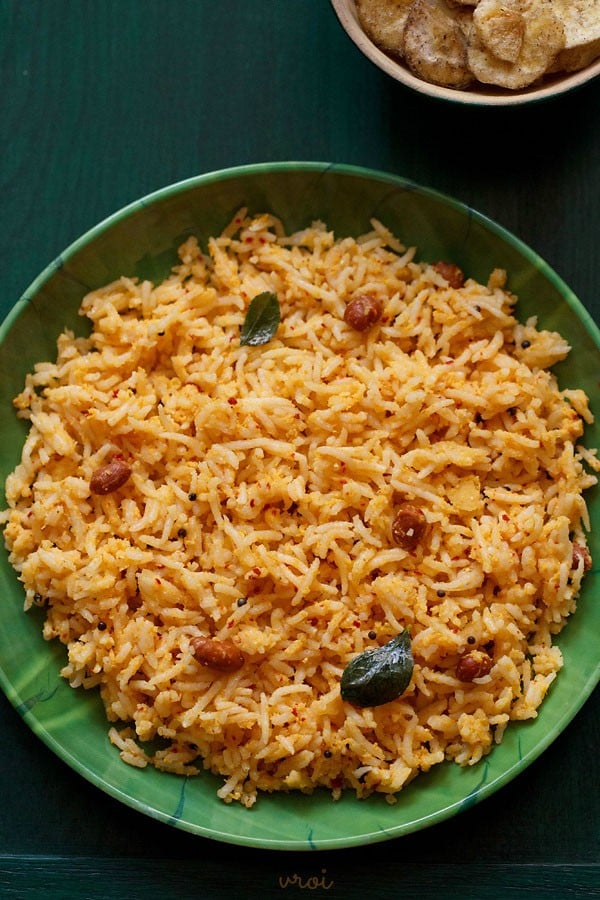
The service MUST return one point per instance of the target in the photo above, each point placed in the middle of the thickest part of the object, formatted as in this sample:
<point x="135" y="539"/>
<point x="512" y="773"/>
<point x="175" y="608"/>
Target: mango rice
<point x="240" y="544"/>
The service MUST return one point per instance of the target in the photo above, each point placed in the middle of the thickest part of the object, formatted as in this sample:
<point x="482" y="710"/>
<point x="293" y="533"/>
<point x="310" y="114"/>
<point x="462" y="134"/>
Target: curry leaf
<point x="380" y="675"/>
<point x="262" y="319"/>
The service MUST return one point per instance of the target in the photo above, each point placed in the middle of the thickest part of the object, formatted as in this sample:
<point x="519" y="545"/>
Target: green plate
<point x="141" y="240"/>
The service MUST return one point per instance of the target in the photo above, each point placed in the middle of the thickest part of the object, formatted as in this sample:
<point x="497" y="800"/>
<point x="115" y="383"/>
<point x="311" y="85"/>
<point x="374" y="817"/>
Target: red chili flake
<point x="294" y="711"/>
<point x="232" y="401"/>
<point x="505" y="517"/>
<point x="248" y="240"/>
<point x="337" y="782"/>
<point x="263" y="240"/>
<point x="252" y="502"/>
<point x="230" y="623"/>
<point x="256" y="570"/>
<point x="356" y="623"/>
<point x="158" y="581"/>
<point x="115" y="393"/>
<point x="314" y="621"/>
<point x="238" y="221"/>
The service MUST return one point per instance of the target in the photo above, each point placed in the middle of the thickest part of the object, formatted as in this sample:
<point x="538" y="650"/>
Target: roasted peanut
<point x="581" y="553"/>
<point x="408" y="526"/>
<point x="135" y="602"/>
<point x="474" y="664"/>
<point x="108" y="478"/>
<point x="221" y="655"/>
<point x="363" y="311"/>
<point x="453" y="275"/>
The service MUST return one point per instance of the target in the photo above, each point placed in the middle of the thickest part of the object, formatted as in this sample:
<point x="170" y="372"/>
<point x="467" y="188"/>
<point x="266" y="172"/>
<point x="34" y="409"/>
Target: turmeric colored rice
<point x="261" y="485"/>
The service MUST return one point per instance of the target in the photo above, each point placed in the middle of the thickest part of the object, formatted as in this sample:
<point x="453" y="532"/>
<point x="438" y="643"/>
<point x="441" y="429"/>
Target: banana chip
<point x="434" y="44"/>
<point x="500" y="29"/>
<point x="581" y="19"/>
<point x="525" y="31"/>
<point x="383" y="21"/>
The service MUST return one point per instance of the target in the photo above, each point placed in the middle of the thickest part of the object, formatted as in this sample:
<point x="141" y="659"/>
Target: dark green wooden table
<point x="102" y="101"/>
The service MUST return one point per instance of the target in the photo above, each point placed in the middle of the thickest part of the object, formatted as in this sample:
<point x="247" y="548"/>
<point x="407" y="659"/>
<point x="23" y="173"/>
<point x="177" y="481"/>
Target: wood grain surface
<point x="102" y="102"/>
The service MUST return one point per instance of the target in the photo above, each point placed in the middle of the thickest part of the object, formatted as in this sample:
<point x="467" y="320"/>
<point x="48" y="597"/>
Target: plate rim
<point x="287" y="844"/>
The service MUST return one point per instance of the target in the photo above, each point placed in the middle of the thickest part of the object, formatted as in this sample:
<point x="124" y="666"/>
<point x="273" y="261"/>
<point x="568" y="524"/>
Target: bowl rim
<point x="402" y="74"/>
